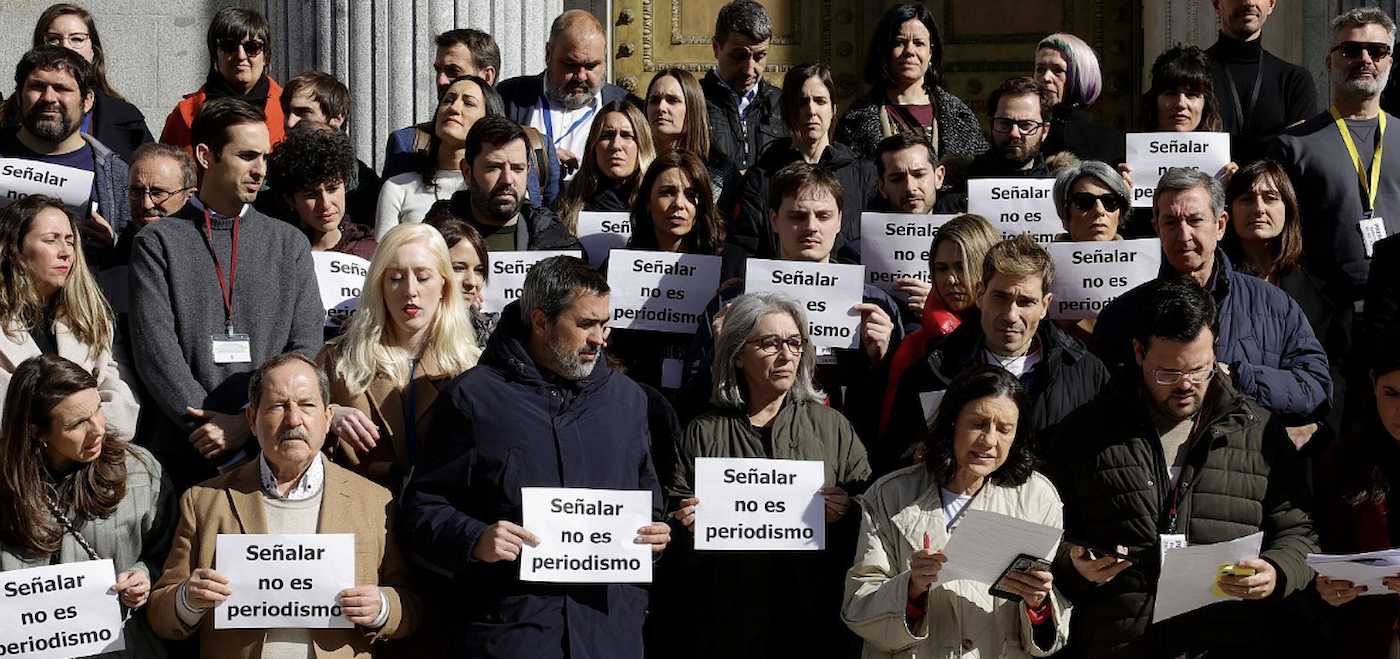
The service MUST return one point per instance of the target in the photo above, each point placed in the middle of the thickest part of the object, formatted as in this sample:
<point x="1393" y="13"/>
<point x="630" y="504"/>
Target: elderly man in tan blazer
<point x="290" y="488"/>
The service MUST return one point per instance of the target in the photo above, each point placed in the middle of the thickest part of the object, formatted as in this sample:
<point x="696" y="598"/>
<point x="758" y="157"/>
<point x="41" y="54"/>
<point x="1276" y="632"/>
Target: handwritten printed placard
<point x="60" y="611"/>
<point x="340" y="278"/>
<point x="586" y="535"/>
<point x="601" y="233"/>
<point x="1152" y="154"/>
<point x="1017" y="205"/>
<point x="754" y="504"/>
<point x="284" y="581"/>
<point x="1089" y="275"/>
<point x="895" y="246"/>
<point x="20" y="178"/>
<point x="826" y="291"/>
<point x="508" y="270"/>
<point x="661" y="291"/>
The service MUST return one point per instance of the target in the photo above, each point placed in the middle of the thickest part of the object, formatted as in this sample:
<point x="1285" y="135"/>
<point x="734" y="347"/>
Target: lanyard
<point x="1178" y="493"/>
<point x="1253" y="94"/>
<point x="1368" y="188"/>
<point x="549" y="122"/>
<point x="219" y="268"/>
<point x="953" y="521"/>
<point x="410" y="424"/>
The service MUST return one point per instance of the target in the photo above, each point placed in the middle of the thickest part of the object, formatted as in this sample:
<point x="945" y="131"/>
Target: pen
<point x="926" y="543"/>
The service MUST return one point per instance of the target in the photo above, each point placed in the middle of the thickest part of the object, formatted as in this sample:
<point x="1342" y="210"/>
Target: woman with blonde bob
<point x="51" y="304"/>
<point x="621" y="148"/>
<point x="410" y="336"/>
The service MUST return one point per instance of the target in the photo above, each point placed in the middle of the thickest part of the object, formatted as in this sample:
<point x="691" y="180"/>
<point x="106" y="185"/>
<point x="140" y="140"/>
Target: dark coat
<point x="1241" y="475"/>
<point x="521" y="96"/>
<point x="1067" y="376"/>
<point x="1380" y="324"/>
<point x="405" y="147"/>
<point x="1263" y="336"/>
<point x="742" y="139"/>
<point x="119" y="125"/>
<point x="538" y="228"/>
<point x="750" y="228"/>
<point x="1074" y="130"/>
<point x="959" y="133"/>
<point x="504" y="425"/>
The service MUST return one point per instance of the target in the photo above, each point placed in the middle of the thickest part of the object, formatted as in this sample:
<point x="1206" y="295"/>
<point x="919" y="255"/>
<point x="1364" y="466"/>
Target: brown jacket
<point x="232" y="503"/>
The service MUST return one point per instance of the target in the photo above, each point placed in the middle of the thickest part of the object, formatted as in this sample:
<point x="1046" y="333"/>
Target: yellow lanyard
<point x="1368" y="187"/>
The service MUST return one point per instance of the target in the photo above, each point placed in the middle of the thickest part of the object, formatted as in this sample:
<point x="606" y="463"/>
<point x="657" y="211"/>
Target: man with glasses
<point x="1018" y="112"/>
<point x="1264" y="342"/>
<point x="1171" y="453"/>
<point x="238" y="42"/>
<point x="162" y="179"/>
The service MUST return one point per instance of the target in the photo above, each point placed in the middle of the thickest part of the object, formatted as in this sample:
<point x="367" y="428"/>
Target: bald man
<point x="561" y="101"/>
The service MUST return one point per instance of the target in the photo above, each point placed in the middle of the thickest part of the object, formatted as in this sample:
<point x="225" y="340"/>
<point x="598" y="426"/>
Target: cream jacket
<point x="119" y="405"/>
<point x="963" y="620"/>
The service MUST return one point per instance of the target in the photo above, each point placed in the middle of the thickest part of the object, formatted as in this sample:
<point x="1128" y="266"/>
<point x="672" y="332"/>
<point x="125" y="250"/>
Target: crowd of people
<point x="171" y="374"/>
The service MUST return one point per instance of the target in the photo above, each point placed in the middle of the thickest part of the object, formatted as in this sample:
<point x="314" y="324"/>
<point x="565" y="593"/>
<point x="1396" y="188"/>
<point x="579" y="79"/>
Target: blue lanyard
<point x="549" y="122"/>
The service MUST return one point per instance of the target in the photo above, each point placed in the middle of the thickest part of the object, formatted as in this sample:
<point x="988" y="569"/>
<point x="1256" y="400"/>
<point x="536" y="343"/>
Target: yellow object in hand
<point x="1231" y="570"/>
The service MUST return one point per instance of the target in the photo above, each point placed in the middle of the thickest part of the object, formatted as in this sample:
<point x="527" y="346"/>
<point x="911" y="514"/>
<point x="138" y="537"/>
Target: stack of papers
<point x="1189" y="574"/>
<point x="1365" y="569"/>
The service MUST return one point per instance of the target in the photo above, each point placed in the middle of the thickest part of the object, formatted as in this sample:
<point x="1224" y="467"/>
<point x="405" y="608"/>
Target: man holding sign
<point x="291" y="489"/>
<point x="542" y="409"/>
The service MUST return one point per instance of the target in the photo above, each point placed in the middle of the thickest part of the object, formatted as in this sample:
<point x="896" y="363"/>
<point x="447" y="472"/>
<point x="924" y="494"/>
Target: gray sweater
<point x="177" y="306"/>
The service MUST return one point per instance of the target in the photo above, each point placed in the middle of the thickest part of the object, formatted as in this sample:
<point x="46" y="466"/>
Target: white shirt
<point x="1017" y="366"/>
<point x="404" y="198"/>
<point x="567" y="128"/>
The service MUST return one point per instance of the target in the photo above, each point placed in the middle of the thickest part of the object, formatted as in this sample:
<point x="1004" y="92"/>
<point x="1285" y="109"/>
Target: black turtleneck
<point x="1286" y="95"/>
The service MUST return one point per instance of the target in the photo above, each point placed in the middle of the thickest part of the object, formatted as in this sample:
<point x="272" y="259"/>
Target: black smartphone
<point x="1096" y="553"/>
<point x="1022" y="563"/>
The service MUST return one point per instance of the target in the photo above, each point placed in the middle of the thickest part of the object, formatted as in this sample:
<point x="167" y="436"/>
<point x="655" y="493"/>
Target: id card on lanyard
<point x="229" y="347"/>
<point x="1372" y="228"/>
<point x="548" y="120"/>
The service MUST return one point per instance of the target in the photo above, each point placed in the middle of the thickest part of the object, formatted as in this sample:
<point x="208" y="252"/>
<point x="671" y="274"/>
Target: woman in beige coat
<point x="978" y="458"/>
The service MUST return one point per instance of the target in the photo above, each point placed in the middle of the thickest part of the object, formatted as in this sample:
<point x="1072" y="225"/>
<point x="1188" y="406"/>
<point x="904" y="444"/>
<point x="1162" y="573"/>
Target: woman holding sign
<point x="73" y="491"/>
<point x="679" y="122"/>
<point x="1091" y="199"/>
<point x="764" y="405"/>
<point x="977" y="459"/>
<point x="620" y="141"/>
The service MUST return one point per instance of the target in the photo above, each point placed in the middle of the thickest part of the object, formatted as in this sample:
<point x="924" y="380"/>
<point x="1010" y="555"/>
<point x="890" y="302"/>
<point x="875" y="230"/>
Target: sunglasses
<point x="1084" y="201"/>
<point x="252" y="46"/>
<point x="1352" y="49"/>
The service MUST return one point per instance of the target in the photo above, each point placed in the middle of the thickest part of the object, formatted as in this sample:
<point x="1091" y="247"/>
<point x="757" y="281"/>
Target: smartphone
<point x="1096" y="553"/>
<point x="1022" y="563"/>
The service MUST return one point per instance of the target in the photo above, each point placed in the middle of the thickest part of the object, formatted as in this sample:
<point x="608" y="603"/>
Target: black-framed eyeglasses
<point x="1352" y="49"/>
<point x="769" y="344"/>
<point x="1004" y="124"/>
<point x="252" y="46"/>
<point x="158" y="195"/>
<point x="1167" y="376"/>
<point x="1084" y="201"/>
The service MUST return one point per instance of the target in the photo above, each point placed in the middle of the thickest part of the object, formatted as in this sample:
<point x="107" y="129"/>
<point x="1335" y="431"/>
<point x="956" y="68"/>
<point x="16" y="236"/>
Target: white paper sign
<point x="340" y="278"/>
<point x="601" y="233"/>
<point x="60" y="611"/>
<point x="586" y="535"/>
<point x="1189" y="574"/>
<point x="1017" y="205"/>
<point x="826" y="291"/>
<point x="1089" y="275"/>
<point x="756" y="504"/>
<point x="284" y="581"/>
<point x="508" y="270"/>
<point x="984" y="544"/>
<point x="896" y="245"/>
<point x="1152" y="154"/>
<point x="661" y="291"/>
<point x="20" y="178"/>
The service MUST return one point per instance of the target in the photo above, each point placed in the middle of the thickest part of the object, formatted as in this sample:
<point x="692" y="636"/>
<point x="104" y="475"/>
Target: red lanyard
<point x="219" y="268"/>
<point x="1178" y="493"/>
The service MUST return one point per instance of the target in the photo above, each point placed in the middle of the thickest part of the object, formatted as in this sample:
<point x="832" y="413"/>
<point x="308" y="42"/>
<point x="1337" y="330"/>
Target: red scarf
<point x="938" y="322"/>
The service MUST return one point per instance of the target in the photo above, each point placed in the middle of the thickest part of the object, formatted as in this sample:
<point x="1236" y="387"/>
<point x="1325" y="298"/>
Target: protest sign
<point x="340" y="278"/>
<point x="1089" y="275"/>
<point x="827" y="291"/>
<point x="661" y="291"/>
<point x="601" y="233"/>
<point x="20" y="178"/>
<point x="586" y="535"/>
<point x="1152" y="154"/>
<point x="896" y="245"/>
<point x="1017" y="205"/>
<point x="284" y="581"/>
<point x="508" y="270"/>
<point x="754" y="504"/>
<point x="60" y="611"/>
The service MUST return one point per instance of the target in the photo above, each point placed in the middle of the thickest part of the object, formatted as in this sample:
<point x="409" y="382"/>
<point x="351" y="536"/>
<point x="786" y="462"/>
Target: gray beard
<point x="569" y="101"/>
<point x="567" y="364"/>
<point x="1358" y="89"/>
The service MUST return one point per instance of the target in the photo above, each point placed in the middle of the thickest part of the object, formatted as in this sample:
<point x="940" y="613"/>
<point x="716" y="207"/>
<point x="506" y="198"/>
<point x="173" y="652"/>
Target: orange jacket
<point x="177" y="124"/>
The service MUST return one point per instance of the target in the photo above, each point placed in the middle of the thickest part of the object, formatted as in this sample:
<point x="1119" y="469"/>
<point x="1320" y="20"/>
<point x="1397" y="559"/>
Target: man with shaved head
<point x="561" y="101"/>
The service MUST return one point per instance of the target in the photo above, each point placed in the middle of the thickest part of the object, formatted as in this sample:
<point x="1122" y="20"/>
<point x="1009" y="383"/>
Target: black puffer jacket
<point x="743" y="139"/>
<point x="1241" y="476"/>
<point x="751" y="228"/>
<point x="537" y="229"/>
<point x="1067" y="376"/>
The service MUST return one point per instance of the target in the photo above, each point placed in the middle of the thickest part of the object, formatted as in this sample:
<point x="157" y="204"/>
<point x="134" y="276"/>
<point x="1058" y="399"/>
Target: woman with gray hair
<point x="1090" y="197"/>
<point x="764" y="405"/>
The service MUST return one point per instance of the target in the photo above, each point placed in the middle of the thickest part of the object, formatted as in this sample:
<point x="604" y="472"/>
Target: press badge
<point x="231" y="348"/>
<point x="1372" y="232"/>
<point x="1172" y="541"/>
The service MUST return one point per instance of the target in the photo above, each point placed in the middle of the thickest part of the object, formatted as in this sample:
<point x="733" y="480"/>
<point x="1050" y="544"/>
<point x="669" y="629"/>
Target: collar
<point x="219" y="219"/>
<point x="309" y="485"/>
<point x="1230" y="48"/>
<point x="744" y="100"/>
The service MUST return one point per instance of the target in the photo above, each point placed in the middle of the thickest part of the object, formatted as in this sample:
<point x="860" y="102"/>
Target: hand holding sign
<point x="837" y="503"/>
<point x="502" y="541"/>
<point x="686" y="514"/>
<point x="361" y="604"/>
<point x="656" y="534"/>
<point x="134" y="587"/>
<point x="206" y="588"/>
<point x="875" y="330"/>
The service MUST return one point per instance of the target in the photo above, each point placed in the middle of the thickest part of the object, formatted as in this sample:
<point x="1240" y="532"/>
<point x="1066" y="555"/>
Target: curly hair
<point x="310" y="156"/>
<point x="977" y="382"/>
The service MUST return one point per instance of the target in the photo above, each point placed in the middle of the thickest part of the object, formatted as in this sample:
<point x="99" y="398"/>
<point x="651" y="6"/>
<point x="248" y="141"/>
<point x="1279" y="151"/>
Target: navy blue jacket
<point x="1264" y="338"/>
<point x="504" y="425"/>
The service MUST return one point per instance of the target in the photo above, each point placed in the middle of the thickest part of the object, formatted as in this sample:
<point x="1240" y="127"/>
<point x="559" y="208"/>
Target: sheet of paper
<point x="288" y="581"/>
<point x="586" y="535"/>
<point x="508" y="271"/>
<point x="661" y="291"/>
<point x="601" y="233"/>
<point x="1189" y="573"/>
<point x="1089" y="275"/>
<point x="1152" y="154"/>
<point x="755" y="504"/>
<point x="895" y="246"/>
<point x="1017" y="205"/>
<point x="60" y="611"/>
<point x="1366" y="569"/>
<point x="984" y="543"/>
<point x="827" y="291"/>
<point x="341" y="278"/>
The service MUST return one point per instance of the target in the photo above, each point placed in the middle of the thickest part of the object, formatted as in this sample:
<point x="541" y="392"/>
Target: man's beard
<point x="50" y="130"/>
<point x="571" y="97"/>
<point x="1365" y="89"/>
<point x="1018" y="154"/>
<point x="569" y="364"/>
<point x="484" y="202"/>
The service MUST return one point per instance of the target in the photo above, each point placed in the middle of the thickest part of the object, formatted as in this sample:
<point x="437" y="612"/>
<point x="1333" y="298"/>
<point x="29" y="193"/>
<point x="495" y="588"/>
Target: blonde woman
<point x="50" y="304"/>
<point x="410" y="336"/>
<point x="621" y="146"/>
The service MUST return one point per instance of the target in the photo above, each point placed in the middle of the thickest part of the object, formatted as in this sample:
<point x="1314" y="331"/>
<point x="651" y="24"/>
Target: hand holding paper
<point x="1252" y="579"/>
<point x="501" y="542"/>
<point x="361" y="604"/>
<point x="206" y="589"/>
<point x="1338" y="591"/>
<point x="924" y="567"/>
<point x="656" y="534"/>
